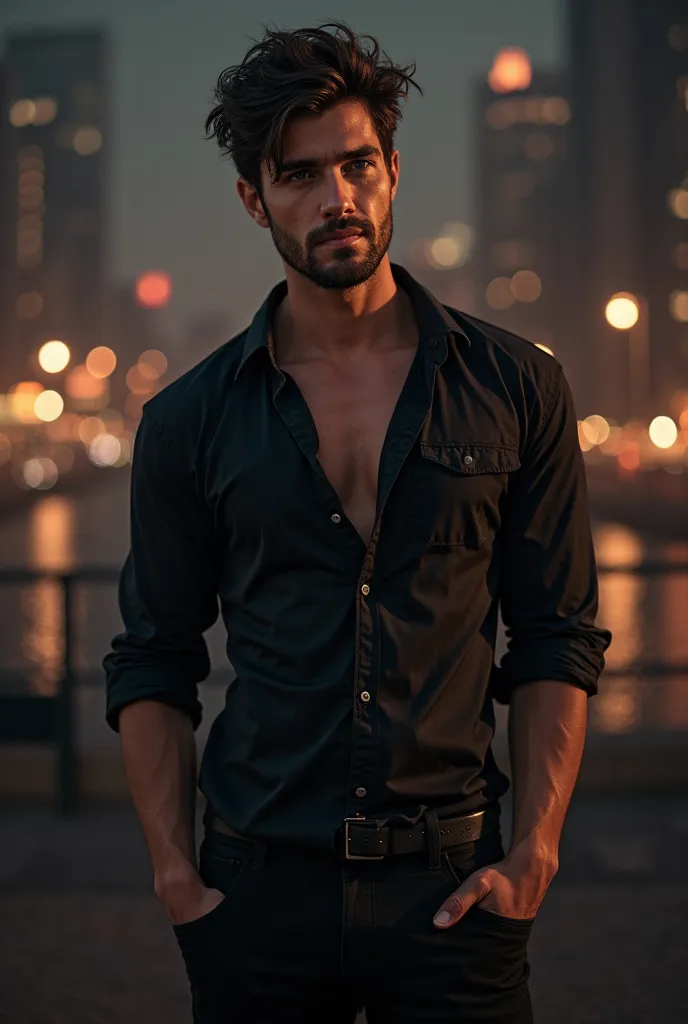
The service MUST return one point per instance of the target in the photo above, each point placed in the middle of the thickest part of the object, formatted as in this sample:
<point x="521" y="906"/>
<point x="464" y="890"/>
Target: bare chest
<point x="352" y="410"/>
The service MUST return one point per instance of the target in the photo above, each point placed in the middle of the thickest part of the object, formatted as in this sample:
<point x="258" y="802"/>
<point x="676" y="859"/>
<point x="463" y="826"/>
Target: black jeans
<point x="309" y="937"/>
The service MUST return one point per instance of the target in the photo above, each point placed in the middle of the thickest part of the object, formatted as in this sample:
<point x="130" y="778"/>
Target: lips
<point x="340" y="236"/>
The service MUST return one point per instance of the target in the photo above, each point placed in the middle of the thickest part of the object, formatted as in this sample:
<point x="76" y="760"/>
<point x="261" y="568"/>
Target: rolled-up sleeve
<point x="548" y="578"/>
<point x="167" y="589"/>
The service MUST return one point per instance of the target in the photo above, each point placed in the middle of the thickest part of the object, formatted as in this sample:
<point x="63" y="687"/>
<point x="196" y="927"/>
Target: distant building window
<point x="542" y="110"/>
<point x="39" y="111"/>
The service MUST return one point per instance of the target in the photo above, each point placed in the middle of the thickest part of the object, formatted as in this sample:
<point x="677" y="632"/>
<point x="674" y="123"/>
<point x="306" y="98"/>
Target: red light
<point x="153" y="289"/>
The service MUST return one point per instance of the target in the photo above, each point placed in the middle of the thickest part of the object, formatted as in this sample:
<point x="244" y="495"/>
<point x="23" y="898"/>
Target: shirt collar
<point x="434" y="321"/>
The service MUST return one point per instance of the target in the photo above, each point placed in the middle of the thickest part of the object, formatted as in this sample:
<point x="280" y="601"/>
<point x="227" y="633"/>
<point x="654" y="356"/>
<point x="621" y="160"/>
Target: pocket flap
<point x="472" y="458"/>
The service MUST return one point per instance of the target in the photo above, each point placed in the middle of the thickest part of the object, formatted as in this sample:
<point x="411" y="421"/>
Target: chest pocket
<point x="457" y="492"/>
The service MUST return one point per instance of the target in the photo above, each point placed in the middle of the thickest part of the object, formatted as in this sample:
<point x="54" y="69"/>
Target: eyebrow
<point x="340" y="158"/>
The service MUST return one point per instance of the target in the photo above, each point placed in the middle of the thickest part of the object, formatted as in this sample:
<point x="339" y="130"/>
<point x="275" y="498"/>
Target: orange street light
<point x="628" y="312"/>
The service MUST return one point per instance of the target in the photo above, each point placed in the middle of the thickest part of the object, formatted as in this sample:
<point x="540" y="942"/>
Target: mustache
<point x="346" y="224"/>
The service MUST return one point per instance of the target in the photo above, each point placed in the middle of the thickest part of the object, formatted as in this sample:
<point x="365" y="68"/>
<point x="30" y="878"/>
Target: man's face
<point x="333" y="179"/>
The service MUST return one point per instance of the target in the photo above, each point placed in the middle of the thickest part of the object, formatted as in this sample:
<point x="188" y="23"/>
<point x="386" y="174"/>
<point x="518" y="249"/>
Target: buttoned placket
<point x="407" y="420"/>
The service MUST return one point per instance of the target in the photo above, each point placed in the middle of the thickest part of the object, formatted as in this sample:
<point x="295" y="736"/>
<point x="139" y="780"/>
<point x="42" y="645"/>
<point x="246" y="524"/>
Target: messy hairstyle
<point x="305" y="71"/>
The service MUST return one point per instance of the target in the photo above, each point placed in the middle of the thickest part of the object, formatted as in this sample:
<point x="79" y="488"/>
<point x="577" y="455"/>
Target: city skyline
<point x="161" y="162"/>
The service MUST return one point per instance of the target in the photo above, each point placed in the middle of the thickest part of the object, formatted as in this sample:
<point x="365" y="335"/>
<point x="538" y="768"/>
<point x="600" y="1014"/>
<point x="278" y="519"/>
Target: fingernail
<point x="442" y="918"/>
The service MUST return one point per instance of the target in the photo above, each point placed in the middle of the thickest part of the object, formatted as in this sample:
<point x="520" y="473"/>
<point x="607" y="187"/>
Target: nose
<point x="338" y="196"/>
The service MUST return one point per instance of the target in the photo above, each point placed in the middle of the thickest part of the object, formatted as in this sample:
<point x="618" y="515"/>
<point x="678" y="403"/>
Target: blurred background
<point x="544" y="188"/>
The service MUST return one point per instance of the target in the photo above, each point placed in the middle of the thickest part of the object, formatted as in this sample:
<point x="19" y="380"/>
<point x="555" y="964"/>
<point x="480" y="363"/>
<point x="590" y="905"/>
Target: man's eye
<point x="294" y="176"/>
<point x="364" y="163"/>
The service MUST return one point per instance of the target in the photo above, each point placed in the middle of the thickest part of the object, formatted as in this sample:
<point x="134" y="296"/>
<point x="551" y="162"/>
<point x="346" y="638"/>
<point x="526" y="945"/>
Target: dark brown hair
<point x="302" y="72"/>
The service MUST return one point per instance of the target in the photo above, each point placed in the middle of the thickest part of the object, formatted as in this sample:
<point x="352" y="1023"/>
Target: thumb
<point x="462" y="899"/>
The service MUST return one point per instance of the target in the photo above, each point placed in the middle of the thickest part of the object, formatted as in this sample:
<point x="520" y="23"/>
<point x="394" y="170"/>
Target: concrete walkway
<point x="83" y="940"/>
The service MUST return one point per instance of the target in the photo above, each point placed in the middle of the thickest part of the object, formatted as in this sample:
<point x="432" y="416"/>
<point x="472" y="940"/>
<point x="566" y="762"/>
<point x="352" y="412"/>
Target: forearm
<point x="547" y="725"/>
<point x="159" y="753"/>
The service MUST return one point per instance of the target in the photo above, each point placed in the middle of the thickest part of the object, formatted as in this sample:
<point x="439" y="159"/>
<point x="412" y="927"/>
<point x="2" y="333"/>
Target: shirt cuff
<point x="580" y="664"/>
<point x="151" y="683"/>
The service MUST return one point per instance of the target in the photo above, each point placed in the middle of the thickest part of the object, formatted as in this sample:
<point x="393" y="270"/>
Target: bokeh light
<point x="22" y="113"/>
<point x="137" y="383"/>
<point x="40" y="474"/>
<point x="152" y="364"/>
<point x="48" y="406"/>
<point x="87" y="141"/>
<point x="101" y="362"/>
<point x="445" y="252"/>
<point x="511" y="70"/>
<point x="89" y="428"/>
<point x="526" y="286"/>
<point x="622" y="311"/>
<point x="596" y="429"/>
<point x="499" y="294"/>
<point x="678" y="304"/>
<point x="153" y="289"/>
<point x="104" y="450"/>
<point x="81" y="385"/>
<point x="678" y="203"/>
<point x="663" y="432"/>
<point x="54" y="356"/>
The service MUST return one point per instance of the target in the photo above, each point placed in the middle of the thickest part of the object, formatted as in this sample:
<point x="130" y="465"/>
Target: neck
<point x="321" y="323"/>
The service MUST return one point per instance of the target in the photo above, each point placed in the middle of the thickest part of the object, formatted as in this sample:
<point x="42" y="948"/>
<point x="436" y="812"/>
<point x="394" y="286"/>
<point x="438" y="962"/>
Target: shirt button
<point x="365" y="589"/>
<point x="335" y="517"/>
<point x="468" y="460"/>
<point x="361" y="791"/>
<point x="365" y="696"/>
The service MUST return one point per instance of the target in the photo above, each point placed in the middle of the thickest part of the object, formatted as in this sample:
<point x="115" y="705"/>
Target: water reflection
<point x="616" y="707"/>
<point x="646" y="615"/>
<point x="50" y="548"/>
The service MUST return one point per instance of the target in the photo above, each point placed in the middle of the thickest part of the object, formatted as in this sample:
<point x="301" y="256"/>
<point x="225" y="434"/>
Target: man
<point x="363" y="477"/>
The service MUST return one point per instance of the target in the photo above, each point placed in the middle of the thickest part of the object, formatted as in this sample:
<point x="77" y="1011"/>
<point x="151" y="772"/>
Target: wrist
<point x="535" y="851"/>
<point x="177" y="883"/>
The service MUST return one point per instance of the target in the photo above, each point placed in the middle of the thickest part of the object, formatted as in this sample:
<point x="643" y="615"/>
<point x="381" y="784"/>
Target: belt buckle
<point x="356" y="856"/>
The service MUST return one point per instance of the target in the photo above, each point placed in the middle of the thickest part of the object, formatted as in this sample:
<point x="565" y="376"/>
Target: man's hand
<point x="514" y="887"/>
<point x="186" y="898"/>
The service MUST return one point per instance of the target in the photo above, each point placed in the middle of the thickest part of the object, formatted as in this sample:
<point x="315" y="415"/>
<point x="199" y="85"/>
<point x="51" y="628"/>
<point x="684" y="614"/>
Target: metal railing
<point x="36" y="718"/>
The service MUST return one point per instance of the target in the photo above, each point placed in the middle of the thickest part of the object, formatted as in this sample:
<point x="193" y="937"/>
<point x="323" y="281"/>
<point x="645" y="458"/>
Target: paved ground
<point x="83" y="941"/>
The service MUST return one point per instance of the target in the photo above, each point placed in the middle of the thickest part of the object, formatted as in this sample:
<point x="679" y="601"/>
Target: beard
<point x="345" y="268"/>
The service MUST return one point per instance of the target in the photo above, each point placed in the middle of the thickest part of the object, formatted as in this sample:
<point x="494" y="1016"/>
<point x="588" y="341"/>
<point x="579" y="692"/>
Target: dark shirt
<point x="365" y="676"/>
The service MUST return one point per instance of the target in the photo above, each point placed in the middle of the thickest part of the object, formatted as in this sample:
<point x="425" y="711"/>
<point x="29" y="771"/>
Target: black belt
<point x="364" y="839"/>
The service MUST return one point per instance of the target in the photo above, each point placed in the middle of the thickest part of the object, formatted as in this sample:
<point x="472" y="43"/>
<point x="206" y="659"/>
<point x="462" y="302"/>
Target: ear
<point x="251" y="200"/>
<point x="394" y="172"/>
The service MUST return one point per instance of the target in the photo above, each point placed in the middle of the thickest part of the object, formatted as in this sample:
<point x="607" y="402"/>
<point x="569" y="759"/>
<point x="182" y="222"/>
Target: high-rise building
<point x="52" y="171"/>
<point x="522" y="118"/>
<point x="628" y="189"/>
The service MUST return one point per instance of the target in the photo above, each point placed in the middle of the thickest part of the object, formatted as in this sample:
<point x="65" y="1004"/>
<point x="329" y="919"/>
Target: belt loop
<point x="260" y="849"/>
<point x="432" y="829"/>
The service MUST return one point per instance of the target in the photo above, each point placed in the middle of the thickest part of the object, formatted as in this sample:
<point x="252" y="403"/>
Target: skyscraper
<point x="53" y="168"/>
<point x="522" y="116"/>
<point x="628" y="189"/>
